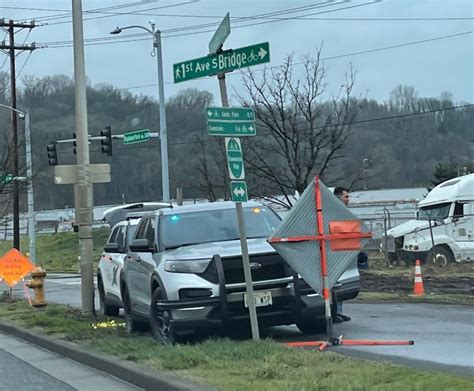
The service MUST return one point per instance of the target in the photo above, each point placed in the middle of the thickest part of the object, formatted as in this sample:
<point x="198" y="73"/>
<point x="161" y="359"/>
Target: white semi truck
<point x="444" y="229"/>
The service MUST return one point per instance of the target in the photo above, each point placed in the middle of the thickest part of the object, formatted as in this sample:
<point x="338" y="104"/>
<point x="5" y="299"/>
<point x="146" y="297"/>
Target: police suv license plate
<point x="262" y="299"/>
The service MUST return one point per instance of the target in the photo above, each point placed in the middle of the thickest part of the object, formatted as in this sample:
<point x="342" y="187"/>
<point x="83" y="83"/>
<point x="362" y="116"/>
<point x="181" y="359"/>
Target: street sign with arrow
<point x="230" y="121"/>
<point x="238" y="191"/>
<point x="6" y="179"/>
<point x="222" y="62"/>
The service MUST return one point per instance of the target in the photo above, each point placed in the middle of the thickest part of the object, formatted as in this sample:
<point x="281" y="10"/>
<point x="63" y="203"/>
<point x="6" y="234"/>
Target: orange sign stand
<point x="343" y="236"/>
<point x="14" y="266"/>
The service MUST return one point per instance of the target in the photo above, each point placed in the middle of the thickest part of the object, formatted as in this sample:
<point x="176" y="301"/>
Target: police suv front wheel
<point x="160" y="320"/>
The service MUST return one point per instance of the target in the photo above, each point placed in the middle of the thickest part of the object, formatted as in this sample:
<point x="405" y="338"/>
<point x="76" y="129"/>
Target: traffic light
<point x="74" y="144"/>
<point x="52" y="154"/>
<point x="107" y="142"/>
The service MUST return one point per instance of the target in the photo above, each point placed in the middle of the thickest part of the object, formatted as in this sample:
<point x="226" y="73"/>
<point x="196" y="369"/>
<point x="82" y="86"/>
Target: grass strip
<point x="433" y="298"/>
<point x="228" y="364"/>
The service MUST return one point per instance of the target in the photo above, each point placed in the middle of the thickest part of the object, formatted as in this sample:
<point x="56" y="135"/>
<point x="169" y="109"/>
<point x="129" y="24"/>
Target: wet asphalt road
<point x="443" y="334"/>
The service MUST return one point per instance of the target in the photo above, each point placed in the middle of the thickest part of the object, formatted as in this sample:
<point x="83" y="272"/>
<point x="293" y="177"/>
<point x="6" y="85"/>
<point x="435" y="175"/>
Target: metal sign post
<point x="243" y="236"/>
<point x="231" y="123"/>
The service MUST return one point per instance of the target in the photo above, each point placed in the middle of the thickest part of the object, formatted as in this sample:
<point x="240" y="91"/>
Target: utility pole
<point x="163" y="132"/>
<point x="12" y="48"/>
<point x="83" y="188"/>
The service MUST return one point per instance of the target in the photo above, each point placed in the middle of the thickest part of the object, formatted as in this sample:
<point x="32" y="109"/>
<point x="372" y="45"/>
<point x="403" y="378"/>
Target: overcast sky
<point x="345" y="27"/>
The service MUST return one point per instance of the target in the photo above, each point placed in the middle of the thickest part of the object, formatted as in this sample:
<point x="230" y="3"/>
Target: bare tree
<point x="213" y="176"/>
<point x="300" y="133"/>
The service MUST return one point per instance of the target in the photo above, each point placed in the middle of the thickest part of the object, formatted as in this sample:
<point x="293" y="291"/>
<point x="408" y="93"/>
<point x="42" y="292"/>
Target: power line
<point x="4" y="52"/>
<point x="4" y="61"/>
<point x="141" y="12"/>
<point x="200" y="26"/>
<point x="327" y="58"/>
<point x="21" y="69"/>
<point x="118" y="14"/>
<point x="338" y="56"/>
<point x="118" y="39"/>
<point x="399" y="45"/>
<point x="258" y="16"/>
<point x="403" y="115"/>
<point x="67" y="13"/>
<point x="371" y="120"/>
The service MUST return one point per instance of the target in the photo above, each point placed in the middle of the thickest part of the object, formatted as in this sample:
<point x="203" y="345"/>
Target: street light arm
<point x="12" y="109"/>
<point x="118" y="30"/>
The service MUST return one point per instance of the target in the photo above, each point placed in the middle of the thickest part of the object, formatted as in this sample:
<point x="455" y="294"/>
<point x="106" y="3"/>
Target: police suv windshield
<point x="182" y="229"/>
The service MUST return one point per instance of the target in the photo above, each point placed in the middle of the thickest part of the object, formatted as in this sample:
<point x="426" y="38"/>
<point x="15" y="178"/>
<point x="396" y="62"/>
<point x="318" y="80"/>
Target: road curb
<point x="125" y="370"/>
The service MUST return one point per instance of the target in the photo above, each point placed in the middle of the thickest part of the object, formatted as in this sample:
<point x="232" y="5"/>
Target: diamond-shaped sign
<point x="297" y="238"/>
<point x="14" y="266"/>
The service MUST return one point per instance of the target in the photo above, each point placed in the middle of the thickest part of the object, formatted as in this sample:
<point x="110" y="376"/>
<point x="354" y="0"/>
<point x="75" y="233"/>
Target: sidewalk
<point x="96" y="362"/>
<point x="39" y="366"/>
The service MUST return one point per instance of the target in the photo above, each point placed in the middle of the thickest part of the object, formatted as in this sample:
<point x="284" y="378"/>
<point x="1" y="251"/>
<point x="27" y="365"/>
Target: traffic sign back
<point x="14" y="266"/>
<point x="220" y="35"/>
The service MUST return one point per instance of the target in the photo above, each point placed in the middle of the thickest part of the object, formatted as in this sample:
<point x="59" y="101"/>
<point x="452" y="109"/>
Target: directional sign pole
<point x="243" y="236"/>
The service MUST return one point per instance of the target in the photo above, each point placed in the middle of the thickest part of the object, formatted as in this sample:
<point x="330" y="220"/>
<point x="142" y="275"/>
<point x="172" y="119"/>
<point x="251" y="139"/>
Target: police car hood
<point x="230" y="248"/>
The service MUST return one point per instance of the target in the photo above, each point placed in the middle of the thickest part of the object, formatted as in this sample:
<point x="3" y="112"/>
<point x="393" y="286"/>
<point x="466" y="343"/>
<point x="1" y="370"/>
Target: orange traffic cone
<point x="418" y="289"/>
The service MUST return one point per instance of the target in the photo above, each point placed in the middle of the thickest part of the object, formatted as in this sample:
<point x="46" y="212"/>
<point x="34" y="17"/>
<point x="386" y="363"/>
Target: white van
<point x="444" y="229"/>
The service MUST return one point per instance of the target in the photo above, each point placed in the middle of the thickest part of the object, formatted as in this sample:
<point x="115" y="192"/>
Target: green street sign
<point x="137" y="136"/>
<point x="223" y="62"/>
<point x="6" y="179"/>
<point x="220" y="35"/>
<point x="219" y="128"/>
<point x="235" y="159"/>
<point x="230" y="114"/>
<point x="238" y="191"/>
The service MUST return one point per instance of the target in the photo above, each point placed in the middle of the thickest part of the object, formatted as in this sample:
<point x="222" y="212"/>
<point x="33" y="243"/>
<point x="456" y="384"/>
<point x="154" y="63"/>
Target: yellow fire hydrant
<point x="37" y="284"/>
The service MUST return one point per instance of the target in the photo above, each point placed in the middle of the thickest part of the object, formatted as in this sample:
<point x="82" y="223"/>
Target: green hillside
<point x="60" y="251"/>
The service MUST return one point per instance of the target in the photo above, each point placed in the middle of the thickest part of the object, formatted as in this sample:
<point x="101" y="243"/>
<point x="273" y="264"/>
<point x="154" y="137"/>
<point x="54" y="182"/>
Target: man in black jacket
<point x="343" y="194"/>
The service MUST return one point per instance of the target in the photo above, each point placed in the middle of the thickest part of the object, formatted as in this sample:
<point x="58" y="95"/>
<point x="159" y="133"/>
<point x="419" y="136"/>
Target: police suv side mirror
<point x="112" y="248"/>
<point x="141" y="245"/>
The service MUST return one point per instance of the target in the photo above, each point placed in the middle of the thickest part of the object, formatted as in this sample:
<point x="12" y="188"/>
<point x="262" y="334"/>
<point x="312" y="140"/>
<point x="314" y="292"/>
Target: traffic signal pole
<point x="30" y="197"/>
<point x="83" y="188"/>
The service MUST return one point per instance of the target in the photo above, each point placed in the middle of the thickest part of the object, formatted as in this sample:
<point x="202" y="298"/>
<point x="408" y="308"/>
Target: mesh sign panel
<point x="301" y="222"/>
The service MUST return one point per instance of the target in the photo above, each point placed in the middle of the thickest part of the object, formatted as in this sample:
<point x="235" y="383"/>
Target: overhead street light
<point x="29" y="174"/>
<point x="156" y="35"/>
